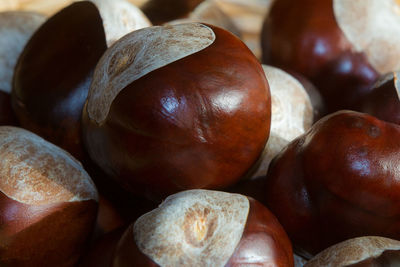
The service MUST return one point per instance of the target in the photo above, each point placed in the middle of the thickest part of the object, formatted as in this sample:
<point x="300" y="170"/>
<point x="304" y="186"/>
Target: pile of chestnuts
<point x="200" y="133"/>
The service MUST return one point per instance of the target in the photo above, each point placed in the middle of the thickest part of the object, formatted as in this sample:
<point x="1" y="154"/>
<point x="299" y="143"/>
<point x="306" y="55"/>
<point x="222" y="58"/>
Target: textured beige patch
<point x="120" y="18"/>
<point x="209" y="12"/>
<point x="373" y="27"/>
<point x="193" y="228"/>
<point x="291" y="114"/>
<point x="352" y="251"/>
<point x="139" y="53"/>
<point x="248" y="17"/>
<point x="15" y="30"/>
<point x="34" y="171"/>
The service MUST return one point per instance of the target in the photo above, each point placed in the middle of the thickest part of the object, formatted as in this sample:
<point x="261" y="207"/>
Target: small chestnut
<point x="367" y="251"/>
<point x="48" y="202"/>
<point x="337" y="181"/>
<point x="341" y="46"/>
<point x="177" y="107"/>
<point x="54" y="71"/>
<point x="205" y="228"/>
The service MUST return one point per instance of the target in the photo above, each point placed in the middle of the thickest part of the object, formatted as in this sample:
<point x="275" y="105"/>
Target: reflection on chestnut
<point x="383" y="100"/>
<point x="54" y="71"/>
<point x="341" y="46"/>
<point x="48" y="202"/>
<point x="205" y="228"/>
<point x="177" y="107"/>
<point x="368" y="251"/>
<point x="339" y="180"/>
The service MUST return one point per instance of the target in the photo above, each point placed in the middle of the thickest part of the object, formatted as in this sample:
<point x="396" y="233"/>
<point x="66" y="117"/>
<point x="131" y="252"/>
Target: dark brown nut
<point x="177" y="107"/>
<point x="338" y="181"/>
<point x="162" y="11"/>
<point x="53" y="74"/>
<point x="368" y="251"/>
<point x="205" y="228"/>
<point x="341" y="46"/>
<point x="383" y="100"/>
<point x="48" y="202"/>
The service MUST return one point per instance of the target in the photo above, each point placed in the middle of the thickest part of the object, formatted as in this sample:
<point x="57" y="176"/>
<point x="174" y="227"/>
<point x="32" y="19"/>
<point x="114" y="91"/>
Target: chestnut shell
<point x="199" y="122"/>
<point x="311" y="43"/>
<point x="53" y="74"/>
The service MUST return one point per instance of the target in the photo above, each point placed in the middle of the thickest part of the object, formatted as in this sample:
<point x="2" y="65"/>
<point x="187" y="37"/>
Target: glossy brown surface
<point x="340" y="180"/>
<point x="128" y="254"/>
<point x="264" y="242"/>
<point x="161" y="11"/>
<point x="7" y="116"/>
<point x="53" y="75"/>
<point x="44" y="235"/>
<point x="383" y="102"/>
<point x="311" y="43"/>
<point x="199" y="122"/>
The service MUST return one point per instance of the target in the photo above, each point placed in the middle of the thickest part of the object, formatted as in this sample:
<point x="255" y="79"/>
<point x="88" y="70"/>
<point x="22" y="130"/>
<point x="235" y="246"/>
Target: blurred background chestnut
<point x="341" y="46"/>
<point x="177" y="107"/>
<point x="16" y="28"/>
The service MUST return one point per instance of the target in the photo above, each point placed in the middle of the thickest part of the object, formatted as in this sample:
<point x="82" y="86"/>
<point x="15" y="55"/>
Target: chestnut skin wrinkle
<point x="338" y="181"/>
<point x="199" y="122"/>
<point x="262" y="230"/>
<point x="311" y="43"/>
<point x="53" y="75"/>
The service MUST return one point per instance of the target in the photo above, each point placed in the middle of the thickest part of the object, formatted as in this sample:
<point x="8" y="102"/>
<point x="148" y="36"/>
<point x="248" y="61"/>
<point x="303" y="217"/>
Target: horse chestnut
<point x="338" y="181"/>
<point x="341" y="46"/>
<point x="205" y="228"/>
<point x="177" y="107"/>
<point x="48" y="202"/>
<point x="54" y="71"/>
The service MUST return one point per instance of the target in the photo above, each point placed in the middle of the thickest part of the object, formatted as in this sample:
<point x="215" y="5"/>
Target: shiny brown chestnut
<point x="48" y="202"/>
<point x="338" y="181"/>
<point x="177" y="107"/>
<point x="205" y="228"/>
<point x="368" y="251"/>
<point x="53" y="73"/>
<point x="341" y="46"/>
<point x="383" y="100"/>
